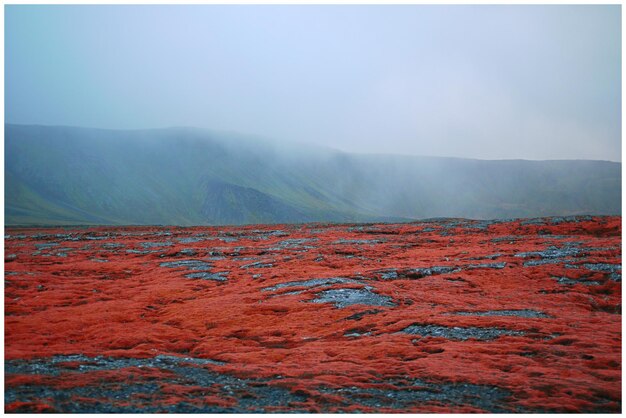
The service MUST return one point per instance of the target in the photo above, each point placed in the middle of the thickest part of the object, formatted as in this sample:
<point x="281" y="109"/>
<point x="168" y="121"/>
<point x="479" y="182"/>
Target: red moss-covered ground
<point x="435" y="316"/>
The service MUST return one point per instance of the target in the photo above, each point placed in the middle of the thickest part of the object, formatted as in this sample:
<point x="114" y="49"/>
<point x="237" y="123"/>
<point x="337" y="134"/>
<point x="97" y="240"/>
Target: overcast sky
<point x="492" y="82"/>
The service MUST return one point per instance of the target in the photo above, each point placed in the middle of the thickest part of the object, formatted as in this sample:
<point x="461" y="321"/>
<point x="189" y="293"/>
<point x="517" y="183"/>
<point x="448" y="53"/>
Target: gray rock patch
<point x="524" y="313"/>
<point x="205" y="275"/>
<point x="293" y="243"/>
<point x="614" y="270"/>
<point x="142" y="252"/>
<point x="487" y="266"/>
<point x="346" y="297"/>
<point x="155" y="244"/>
<point x="191" y="240"/>
<point x="311" y="283"/>
<point x="552" y="252"/>
<point x="570" y="282"/>
<point x="407" y="392"/>
<point x="257" y="265"/>
<point x="603" y="267"/>
<point x="389" y="275"/>
<point x="429" y="271"/>
<point x="188" y="264"/>
<point x="459" y="333"/>
<point x="46" y="245"/>
<point x="112" y="245"/>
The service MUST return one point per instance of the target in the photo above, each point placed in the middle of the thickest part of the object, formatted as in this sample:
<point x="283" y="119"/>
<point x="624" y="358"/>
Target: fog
<point x="183" y="176"/>
<point x="488" y="82"/>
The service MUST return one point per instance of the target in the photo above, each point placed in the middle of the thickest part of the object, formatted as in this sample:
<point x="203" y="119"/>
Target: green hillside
<point x="184" y="176"/>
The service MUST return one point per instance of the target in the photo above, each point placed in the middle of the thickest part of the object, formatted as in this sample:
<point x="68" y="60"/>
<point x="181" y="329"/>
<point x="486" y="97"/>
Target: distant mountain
<point x="184" y="176"/>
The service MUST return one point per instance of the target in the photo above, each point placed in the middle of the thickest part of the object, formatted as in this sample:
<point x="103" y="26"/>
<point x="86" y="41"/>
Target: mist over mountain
<point x="185" y="176"/>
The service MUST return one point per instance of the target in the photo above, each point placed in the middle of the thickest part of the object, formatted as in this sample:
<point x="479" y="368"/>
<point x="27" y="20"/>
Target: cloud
<point x="536" y="82"/>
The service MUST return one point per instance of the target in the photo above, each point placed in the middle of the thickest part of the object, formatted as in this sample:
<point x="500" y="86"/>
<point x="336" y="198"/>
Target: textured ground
<point x="437" y="316"/>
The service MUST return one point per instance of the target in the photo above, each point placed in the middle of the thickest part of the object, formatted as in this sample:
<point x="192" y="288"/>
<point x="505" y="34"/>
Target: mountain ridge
<point x="262" y="138"/>
<point x="71" y="175"/>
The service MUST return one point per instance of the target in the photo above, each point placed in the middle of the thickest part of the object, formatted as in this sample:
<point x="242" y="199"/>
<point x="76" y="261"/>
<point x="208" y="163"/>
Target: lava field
<point x="443" y="315"/>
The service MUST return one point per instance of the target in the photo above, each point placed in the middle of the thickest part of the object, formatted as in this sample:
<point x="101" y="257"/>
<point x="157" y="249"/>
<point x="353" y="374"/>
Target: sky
<point x="488" y="82"/>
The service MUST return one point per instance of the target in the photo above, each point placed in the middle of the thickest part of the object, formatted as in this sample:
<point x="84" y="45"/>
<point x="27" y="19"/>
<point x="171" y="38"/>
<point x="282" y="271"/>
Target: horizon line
<point x="295" y="142"/>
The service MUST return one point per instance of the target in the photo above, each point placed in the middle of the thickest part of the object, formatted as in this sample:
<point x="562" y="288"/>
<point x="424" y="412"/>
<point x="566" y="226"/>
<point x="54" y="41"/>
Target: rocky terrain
<point x="443" y="315"/>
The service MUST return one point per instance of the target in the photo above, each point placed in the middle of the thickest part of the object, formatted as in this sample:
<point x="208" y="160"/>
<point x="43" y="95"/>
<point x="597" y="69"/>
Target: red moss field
<point x="444" y="315"/>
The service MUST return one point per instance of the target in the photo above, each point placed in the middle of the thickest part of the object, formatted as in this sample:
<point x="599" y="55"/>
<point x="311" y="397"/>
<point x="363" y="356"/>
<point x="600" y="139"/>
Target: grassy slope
<point x="145" y="177"/>
<point x="59" y="175"/>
